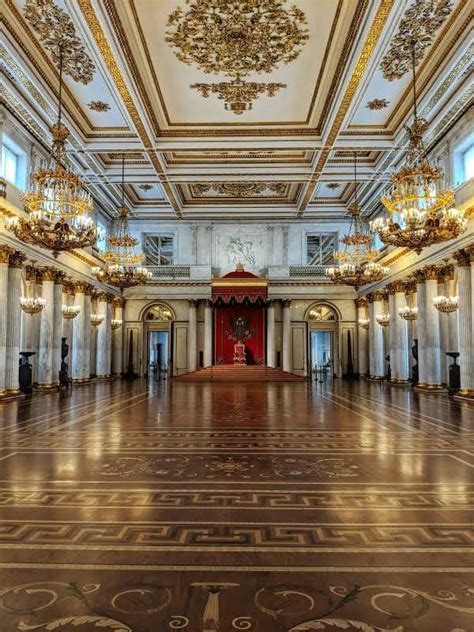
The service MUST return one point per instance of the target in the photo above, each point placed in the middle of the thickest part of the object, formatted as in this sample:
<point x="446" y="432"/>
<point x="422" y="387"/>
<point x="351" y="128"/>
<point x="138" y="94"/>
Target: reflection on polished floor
<point x="220" y="507"/>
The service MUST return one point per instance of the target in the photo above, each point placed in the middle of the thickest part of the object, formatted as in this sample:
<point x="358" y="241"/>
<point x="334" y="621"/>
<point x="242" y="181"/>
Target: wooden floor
<point x="215" y="507"/>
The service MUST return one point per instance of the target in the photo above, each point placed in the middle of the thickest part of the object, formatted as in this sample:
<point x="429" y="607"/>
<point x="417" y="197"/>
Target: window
<point x="159" y="250"/>
<point x="320" y="248"/>
<point x="13" y="163"/>
<point x="101" y="242"/>
<point x="468" y="163"/>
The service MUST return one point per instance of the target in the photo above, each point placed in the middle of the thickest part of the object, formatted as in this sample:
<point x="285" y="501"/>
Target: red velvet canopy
<point x="239" y="286"/>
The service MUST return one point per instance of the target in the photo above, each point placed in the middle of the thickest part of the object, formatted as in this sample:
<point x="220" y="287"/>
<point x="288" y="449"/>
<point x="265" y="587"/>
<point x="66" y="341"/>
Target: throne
<point x="239" y="354"/>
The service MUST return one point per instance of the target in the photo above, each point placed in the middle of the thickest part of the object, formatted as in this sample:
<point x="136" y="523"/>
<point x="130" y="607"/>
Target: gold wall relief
<point x="236" y="40"/>
<point x="240" y="189"/>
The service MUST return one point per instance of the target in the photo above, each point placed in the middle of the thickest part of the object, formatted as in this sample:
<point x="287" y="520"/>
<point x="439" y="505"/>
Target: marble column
<point x="362" y="337"/>
<point x="466" y="344"/>
<point x="432" y="380"/>
<point x="376" y="337"/>
<point x="421" y="326"/>
<point x="31" y="323"/>
<point x="78" y="334"/>
<point x="87" y="368"/>
<point x="103" y="332"/>
<point x="57" y="324"/>
<point x="117" y="337"/>
<point x="5" y="253"/>
<point x="45" y="351"/>
<point x="453" y="339"/>
<point x="444" y="289"/>
<point x="192" y="335"/>
<point x="400" y="337"/>
<point x="391" y="332"/>
<point x="412" y="325"/>
<point x="271" y="354"/>
<point x="12" y="356"/>
<point x="68" y="299"/>
<point x="207" y="333"/>
<point x="286" y="335"/>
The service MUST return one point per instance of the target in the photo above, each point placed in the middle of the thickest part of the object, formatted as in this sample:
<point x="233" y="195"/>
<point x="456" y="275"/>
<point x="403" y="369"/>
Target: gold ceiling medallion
<point x="99" y="106"/>
<point x="333" y="186"/>
<point x="57" y="32"/>
<point x="238" y="95"/>
<point x="240" y="189"/>
<point x="377" y="104"/>
<point x="237" y="39"/>
<point x="419" y="23"/>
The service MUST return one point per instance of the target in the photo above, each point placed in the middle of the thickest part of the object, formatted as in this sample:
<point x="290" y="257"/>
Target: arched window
<point x="158" y="312"/>
<point x="322" y="313"/>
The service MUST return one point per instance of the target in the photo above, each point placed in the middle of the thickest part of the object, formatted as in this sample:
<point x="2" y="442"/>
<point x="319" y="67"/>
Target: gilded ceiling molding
<point x="236" y="40"/>
<point x="367" y="51"/>
<point x="57" y="33"/>
<point x="377" y="104"/>
<point x="98" y="106"/>
<point x="419" y="24"/>
<point x="103" y="45"/>
<point x="240" y="189"/>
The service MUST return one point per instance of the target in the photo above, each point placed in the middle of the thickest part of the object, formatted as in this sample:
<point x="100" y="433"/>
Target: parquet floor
<point x="272" y="507"/>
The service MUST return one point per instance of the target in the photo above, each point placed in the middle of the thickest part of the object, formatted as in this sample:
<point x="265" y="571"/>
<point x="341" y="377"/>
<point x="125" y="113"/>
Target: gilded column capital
<point x="432" y="272"/>
<point x="447" y="272"/>
<point x="31" y="273"/>
<point x="463" y="258"/>
<point x="361" y="301"/>
<point x="192" y="302"/>
<point x="5" y="252"/>
<point x="59" y="277"/>
<point x="89" y="289"/>
<point x="419" y="276"/>
<point x="68" y="287"/>
<point x="409" y="286"/>
<point x="118" y="301"/>
<point x="110" y="298"/>
<point x="47" y="273"/>
<point x="102" y="297"/>
<point x="390" y="288"/>
<point x="286" y="302"/>
<point x="375" y="296"/>
<point x="16" y="259"/>
<point x="81" y="287"/>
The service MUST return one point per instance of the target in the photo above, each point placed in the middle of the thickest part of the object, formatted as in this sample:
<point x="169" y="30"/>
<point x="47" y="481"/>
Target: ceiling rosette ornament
<point x="57" y="33"/>
<point x="241" y="189"/>
<point x="237" y="39"/>
<point x="419" y="23"/>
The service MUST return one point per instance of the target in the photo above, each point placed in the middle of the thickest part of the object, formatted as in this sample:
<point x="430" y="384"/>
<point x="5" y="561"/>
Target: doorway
<point x="158" y="352"/>
<point x="321" y="351"/>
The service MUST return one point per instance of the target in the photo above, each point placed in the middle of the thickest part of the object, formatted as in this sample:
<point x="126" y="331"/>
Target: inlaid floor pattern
<point x="214" y="507"/>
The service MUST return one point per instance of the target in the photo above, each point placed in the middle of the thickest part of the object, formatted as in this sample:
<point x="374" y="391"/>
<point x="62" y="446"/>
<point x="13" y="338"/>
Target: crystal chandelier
<point x="32" y="304"/>
<point x="408" y="313"/>
<point x="58" y="208"/>
<point x="446" y="304"/>
<point x="96" y="319"/>
<point x="69" y="310"/>
<point x="116" y="323"/>
<point x="357" y="259"/>
<point x="421" y="211"/>
<point x="383" y="319"/>
<point x="122" y="261"/>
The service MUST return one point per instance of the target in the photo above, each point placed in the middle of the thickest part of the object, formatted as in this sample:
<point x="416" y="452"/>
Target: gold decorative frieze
<point x="419" y="24"/>
<point x="240" y="189"/>
<point x="237" y="39"/>
<point x="58" y="35"/>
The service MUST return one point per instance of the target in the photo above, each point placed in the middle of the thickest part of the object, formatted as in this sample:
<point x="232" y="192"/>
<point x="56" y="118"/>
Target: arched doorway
<point x="323" y="339"/>
<point x="157" y="344"/>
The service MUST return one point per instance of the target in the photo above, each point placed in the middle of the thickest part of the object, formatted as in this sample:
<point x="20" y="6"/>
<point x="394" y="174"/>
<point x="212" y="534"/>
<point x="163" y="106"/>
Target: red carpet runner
<point x="230" y="373"/>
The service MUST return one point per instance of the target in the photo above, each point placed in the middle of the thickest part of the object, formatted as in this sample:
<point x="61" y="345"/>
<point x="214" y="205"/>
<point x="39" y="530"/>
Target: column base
<point x="81" y="380"/>
<point x="423" y="387"/>
<point x="466" y="394"/>
<point x="395" y="381"/>
<point x="11" y="393"/>
<point x="375" y="378"/>
<point x="47" y="387"/>
<point x="103" y="377"/>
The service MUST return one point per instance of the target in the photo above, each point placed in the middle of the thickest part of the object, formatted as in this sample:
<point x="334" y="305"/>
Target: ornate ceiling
<point x="236" y="109"/>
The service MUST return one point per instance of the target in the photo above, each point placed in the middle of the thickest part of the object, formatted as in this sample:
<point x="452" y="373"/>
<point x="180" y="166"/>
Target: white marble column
<point x="4" y="257"/>
<point x="87" y="367"/>
<point x="31" y="324"/>
<point x="108" y="339"/>
<point x="286" y="337"/>
<point x="362" y="338"/>
<point x="102" y="366"/>
<point x="466" y="344"/>
<point x="207" y="333"/>
<point x="57" y="324"/>
<point x="45" y="352"/>
<point x="271" y="353"/>
<point x="12" y="358"/>
<point x="400" y="332"/>
<point x="117" y="337"/>
<point x="444" y="290"/>
<point x="192" y="335"/>
<point x="421" y="326"/>
<point x="453" y="338"/>
<point x="377" y="352"/>
<point x="391" y="332"/>
<point x="432" y="332"/>
<point x="78" y="333"/>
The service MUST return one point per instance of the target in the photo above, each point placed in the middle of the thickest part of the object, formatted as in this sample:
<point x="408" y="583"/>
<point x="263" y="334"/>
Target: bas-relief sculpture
<point x="248" y="246"/>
